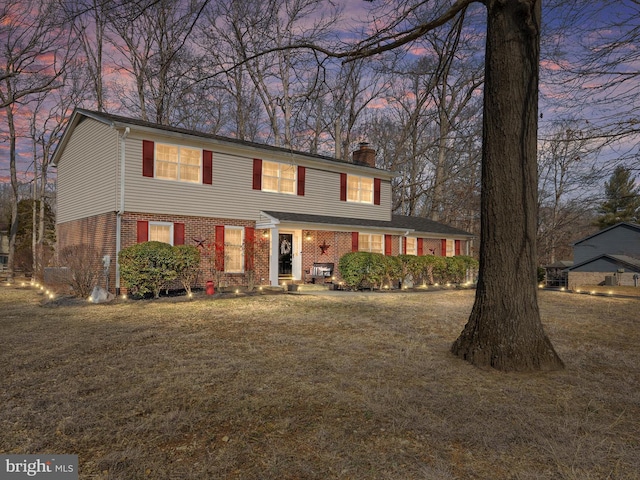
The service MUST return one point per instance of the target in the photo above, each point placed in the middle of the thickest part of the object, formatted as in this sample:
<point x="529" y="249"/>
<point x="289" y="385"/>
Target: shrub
<point x="361" y="269"/>
<point x="147" y="267"/>
<point x="186" y="264"/>
<point x="85" y="268"/>
<point x="391" y="270"/>
<point x="433" y="269"/>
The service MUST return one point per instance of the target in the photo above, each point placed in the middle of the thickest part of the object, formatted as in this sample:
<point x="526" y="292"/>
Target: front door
<point x="285" y="255"/>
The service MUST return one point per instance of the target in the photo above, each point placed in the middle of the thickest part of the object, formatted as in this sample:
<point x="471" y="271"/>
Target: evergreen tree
<point x="622" y="202"/>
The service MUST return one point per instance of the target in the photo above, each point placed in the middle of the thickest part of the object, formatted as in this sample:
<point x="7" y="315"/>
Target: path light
<point x="124" y="296"/>
<point x="52" y="296"/>
<point x="190" y="295"/>
<point x="562" y="289"/>
<point x="593" y="292"/>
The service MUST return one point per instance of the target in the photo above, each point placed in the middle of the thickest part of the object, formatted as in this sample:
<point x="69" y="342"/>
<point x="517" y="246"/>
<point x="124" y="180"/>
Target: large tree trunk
<point x="504" y="330"/>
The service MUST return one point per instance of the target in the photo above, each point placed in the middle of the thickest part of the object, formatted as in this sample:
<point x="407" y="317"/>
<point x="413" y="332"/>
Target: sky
<point x="587" y="103"/>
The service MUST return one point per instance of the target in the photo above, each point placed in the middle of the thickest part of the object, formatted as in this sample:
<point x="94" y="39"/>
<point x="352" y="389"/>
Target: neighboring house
<point x="252" y="209"/>
<point x="610" y="256"/>
<point x="556" y="274"/>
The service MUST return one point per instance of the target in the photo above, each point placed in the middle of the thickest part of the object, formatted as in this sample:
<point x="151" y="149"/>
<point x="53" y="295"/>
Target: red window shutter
<point x="207" y="167"/>
<point x="219" y="248"/>
<point x="249" y="250"/>
<point x="143" y="231"/>
<point x="404" y="245"/>
<point x="388" y="242"/>
<point x="257" y="174"/>
<point x="343" y="187"/>
<point x="420" y="247"/>
<point x="443" y="247"/>
<point x="354" y="241"/>
<point x="302" y="172"/>
<point x="376" y="191"/>
<point x="147" y="158"/>
<point x="178" y="233"/>
<point x="457" y="247"/>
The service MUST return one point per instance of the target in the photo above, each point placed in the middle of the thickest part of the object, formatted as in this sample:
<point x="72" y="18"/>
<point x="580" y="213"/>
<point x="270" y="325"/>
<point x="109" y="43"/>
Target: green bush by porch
<point x="373" y="270"/>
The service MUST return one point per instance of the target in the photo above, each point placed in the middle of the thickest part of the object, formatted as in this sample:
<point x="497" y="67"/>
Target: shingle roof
<point x="623" y="260"/>
<point x="417" y="224"/>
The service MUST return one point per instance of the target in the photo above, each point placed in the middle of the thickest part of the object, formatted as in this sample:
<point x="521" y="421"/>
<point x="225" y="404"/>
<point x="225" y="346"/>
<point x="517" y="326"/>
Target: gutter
<point x="120" y="211"/>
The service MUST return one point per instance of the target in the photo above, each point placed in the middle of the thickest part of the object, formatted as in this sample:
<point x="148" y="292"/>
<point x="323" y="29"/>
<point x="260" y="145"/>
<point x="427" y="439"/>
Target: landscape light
<point x="124" y="296"/>
<point x="51" y="296"/>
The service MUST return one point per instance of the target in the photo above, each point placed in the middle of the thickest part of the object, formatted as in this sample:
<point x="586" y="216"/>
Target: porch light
<point x="307" y="235"/>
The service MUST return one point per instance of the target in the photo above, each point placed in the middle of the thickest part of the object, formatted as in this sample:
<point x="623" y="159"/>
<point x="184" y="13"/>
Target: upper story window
<point x="369" y="242"/>
<point x="278" y="177"/>
<point x="359" y="189"/>
<point x="178" y="163"/>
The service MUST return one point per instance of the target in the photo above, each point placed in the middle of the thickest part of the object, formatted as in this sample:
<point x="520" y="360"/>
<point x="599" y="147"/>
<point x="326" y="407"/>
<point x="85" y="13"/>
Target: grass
<point x="306" y="387"/>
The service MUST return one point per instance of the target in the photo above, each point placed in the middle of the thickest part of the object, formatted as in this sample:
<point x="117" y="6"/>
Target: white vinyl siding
<point x="87" y="175"/>
<point x="231" y="195"/>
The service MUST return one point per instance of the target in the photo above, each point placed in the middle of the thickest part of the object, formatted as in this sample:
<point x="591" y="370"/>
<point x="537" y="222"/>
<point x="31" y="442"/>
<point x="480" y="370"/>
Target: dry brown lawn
<point x="311" y="387"/>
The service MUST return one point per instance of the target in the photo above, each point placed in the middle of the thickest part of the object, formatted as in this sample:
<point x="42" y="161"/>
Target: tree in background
<point x="623" y="199"/>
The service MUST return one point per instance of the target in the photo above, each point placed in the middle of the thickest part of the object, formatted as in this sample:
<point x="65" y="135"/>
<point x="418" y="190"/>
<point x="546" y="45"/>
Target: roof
<point x="622" y="260"/>
<point x="118" y="121"/>
<point x="560" y="264"/>
<point x="398" y="222"/>
<point x="633" y="226"/>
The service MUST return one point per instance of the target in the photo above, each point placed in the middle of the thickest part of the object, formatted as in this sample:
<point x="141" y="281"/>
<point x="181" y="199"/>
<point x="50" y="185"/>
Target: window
<point x="359" y="189"/>
<point x="161" y="232"/>
<point x="178" y="163"/>
<point x="368" y="242"/>
<point x="412" y="245"/>
<point x="450" y="249"/>
<point x="233" y="249"/>
<point x="278" y="177"/>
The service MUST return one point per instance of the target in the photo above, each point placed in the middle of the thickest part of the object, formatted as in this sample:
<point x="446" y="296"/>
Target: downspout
<point x="120" y="211"/>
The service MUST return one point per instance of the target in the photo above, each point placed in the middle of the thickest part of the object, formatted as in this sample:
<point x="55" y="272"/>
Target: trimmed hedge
<point x="373" y="270"/>
<point x="151" y="266"/>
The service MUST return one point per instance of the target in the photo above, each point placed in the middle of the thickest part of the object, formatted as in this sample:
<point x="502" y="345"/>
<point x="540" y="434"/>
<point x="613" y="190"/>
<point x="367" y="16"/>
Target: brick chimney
<point x="365" y="155"/>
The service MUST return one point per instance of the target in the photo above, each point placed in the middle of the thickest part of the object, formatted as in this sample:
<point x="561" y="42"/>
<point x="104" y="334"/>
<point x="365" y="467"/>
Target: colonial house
<point x="610" y="256"/>
<point x="252" y="209"/>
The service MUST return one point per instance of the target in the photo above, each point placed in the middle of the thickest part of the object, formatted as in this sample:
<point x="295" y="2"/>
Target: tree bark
<point x="504" y="330"/>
